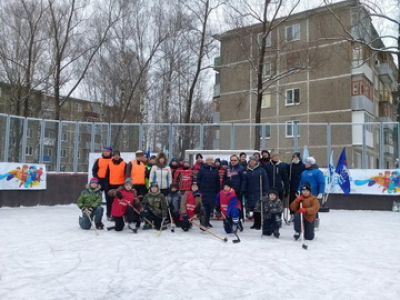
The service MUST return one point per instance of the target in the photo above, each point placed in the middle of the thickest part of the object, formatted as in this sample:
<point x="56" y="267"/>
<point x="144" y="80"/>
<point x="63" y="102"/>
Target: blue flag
<point x="305" y="153"/>
<point x="331" y="169"/>
<point x="343" y="171"/>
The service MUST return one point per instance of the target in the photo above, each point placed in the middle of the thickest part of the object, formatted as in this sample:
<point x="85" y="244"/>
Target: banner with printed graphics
<point x="22" y="176"/>
<point x="368" y="182"/>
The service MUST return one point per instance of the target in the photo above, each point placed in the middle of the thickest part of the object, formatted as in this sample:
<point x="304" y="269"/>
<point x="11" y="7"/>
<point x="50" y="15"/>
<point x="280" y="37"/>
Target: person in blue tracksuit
<point x="314" y="176"/>
<point x="209" y="184"/>
<point x="255" y="186"/>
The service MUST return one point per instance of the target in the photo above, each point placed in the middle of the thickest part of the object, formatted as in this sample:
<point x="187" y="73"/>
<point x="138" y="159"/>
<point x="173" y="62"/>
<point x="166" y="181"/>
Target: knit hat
<point x="116" y="152"/>
<point x="174" y="185"/>
<point x="94" y="180"/>
<point x="153" y="184"/>
<point x="218" y="159"/>
<point x="139" y="152"/>
<point x="224" y="163"/>
<point x="108" y="149"/>
<point x="228" y="183"/>
<point x="153" y="157"/>
<point x="306" y="186"/>
<point x="253" y="158"/>
<point x="195" y="183"/>
<point x="273" y="191"/>
<point x="274" y="153"/>
<point x="311" y="160"/>
<point x="128" y="181"/>
<point x="296" y="154"/>
<point x="264" y="151"/>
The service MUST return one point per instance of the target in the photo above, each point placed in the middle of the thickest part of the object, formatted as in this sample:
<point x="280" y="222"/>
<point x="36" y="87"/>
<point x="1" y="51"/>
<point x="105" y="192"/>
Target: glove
<point x="196" y="193"/>
<point x="87" y="211"/>
<point x="143" y="213"/>
<point x="319" y="196"/>
<point x="299" y="199"/>
<point x="119" y="195"/>
<point x="185" y="217"/>
<point x="302" y="210"/>
<point x="298" y="194"/>
<point x="218" y="208"/>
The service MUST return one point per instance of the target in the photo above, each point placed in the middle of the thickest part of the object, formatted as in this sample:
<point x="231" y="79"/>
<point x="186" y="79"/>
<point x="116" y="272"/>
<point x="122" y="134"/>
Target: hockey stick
<point x="207" y="230"/>
<point x="91" y="222"/>
<point x="170" y="216"/>
<point x="161" y="226"/>
<point x="304" y="246"/>
<point x="235" y="233"/>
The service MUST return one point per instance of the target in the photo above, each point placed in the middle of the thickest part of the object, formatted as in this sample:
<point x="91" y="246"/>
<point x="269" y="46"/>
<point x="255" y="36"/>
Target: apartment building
<point x="313" y="72"/>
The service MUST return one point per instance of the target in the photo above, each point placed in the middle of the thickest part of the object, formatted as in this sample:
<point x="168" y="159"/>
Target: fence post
<point x="232" y="139"/>
<point x="24" y="137"/>
<point x="170" y="140"/>
<point x="201" y="142"/>
<point x="109" y="135"/>
<point x="328" y="142"/>
<point x="41" y="141"/>
<point x="58" y="152"/>
<point x="364" y="148"/>
<point x="296" y="136"/>
<point x="76" y="148"/>
<point x="263" y="140"/>
<point x="141" y="136"/>
<point x="7" y="140"/>
<point x="92" y="138"/>
<point x="381" y="146"/>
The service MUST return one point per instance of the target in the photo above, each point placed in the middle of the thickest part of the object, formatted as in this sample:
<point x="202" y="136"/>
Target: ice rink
<point x="45" y="255"/>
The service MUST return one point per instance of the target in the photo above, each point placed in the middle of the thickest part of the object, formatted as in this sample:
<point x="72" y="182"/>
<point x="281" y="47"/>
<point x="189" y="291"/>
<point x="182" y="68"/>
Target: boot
<point x="100" y="226"/>
<point x="257" y="221"/>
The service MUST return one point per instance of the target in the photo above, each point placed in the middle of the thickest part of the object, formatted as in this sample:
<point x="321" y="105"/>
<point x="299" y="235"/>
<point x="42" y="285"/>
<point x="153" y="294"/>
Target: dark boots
<point x="257" y="221"/>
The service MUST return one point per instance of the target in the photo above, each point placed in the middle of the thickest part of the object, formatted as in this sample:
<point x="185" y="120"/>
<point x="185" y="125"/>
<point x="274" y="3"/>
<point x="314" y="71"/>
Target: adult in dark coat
<point x="295" y="168"/>
<point x="277" y="175"/>
<point x="209" y="184"/>
<point x="234" y="172"/>
<point x="255" y="186"/>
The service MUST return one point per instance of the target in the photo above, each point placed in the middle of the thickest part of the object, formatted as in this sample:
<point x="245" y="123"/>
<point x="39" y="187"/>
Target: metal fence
<point x="64" y="146"/>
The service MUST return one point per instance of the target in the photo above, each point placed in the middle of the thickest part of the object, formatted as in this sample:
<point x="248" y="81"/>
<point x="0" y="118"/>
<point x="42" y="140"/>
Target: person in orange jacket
<point x="308" y="205"/>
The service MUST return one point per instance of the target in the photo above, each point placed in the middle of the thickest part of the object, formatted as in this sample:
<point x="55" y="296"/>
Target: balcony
<point x="386" y="73"/>
<point x="389" y="149"/>
<point x="217" y="63"/>
<point x="217" y="90"/>
<point x="362" y="102"/>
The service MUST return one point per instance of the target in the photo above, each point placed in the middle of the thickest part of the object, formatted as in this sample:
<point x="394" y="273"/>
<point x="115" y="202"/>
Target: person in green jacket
<point x="155" y="207"/>
<point x="90" y="203"/>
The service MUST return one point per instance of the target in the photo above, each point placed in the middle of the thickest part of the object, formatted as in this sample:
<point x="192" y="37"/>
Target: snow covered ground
<point x="45" y="255"/>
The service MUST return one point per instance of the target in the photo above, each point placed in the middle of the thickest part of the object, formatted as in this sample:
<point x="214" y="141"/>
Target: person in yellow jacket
<point x="308" y="205"/>
<point x="136" y="170"/>
<point x="115" y="176"/>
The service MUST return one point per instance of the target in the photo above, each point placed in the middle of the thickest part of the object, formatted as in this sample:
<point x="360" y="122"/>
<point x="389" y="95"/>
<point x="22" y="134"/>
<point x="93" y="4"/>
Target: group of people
<point x="151" y="190"/>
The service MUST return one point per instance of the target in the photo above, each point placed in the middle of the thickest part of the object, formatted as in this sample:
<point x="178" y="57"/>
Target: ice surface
<point x="45" y="255"/>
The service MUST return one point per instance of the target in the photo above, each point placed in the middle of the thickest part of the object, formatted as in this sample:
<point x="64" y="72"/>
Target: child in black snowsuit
<point x="174" y="202"/>
<point x="271" y="211"/>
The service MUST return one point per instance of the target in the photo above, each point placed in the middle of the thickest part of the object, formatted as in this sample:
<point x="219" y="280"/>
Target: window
<point x="48" y="134"/>
<point x="267" y="131"/>
<point x="289" y="125"/>
<point x="29" y="133"/>
<point x="79" y="154"/>
<point x="78" y="107"/>
<point x="292" y="97"/>
<point x="293" y="62"/>
<point x="293" y="32"/>
<point x="362" y="87"/>
<point x="28" y="151"/>
<point x="47" y="151"/>
<point x="266" y="100"/>
<point x="268" y="41"/>
<point x="357" y="53"/>
<point x="266" y="70"/>
<point x="64" y="136"/>
<point x="63" y="153"/>
<point x="368" y="119"/>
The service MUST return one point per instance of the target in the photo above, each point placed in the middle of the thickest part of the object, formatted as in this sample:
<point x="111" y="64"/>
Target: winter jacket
<point x="99" y="168"/>
<point x="235" y="175"/>
<point x="208" y="181"/>
<point x="162" y="175"/>
<point x="294" y="172"/>
<point x="90" y="198"/>
<point x="315" y="178"/>
<point x="156" y="203"/>
<point x="227" y="201"/>
<point x="311" y="203"/>
<point x="191" y="205"/>
<point x="174" y="171"/>
<point x="119" y="206"/>
<point x="251" y="187"/>
<point x="271" y="207"/>
<point x="277" y="176"/>
<point x="174" y="202"/>
<point x="185" y="179"/>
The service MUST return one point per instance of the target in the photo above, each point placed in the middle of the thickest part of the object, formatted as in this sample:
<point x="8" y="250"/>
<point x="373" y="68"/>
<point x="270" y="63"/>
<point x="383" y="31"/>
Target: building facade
<point x="317" y="68"/>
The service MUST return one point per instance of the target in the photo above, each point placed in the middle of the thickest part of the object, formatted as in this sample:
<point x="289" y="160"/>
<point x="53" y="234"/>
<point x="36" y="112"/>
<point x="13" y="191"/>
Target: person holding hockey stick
<point x="191" y="205"/>
<point x="90" y="203"/>
<point x="309" y="208"/>
<point x="155" y="207"/>
<point x="272" y="210"/>
<point x="229" y="205"/>
<point x="124" y="202"/>
<point x="174" y="199"/>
